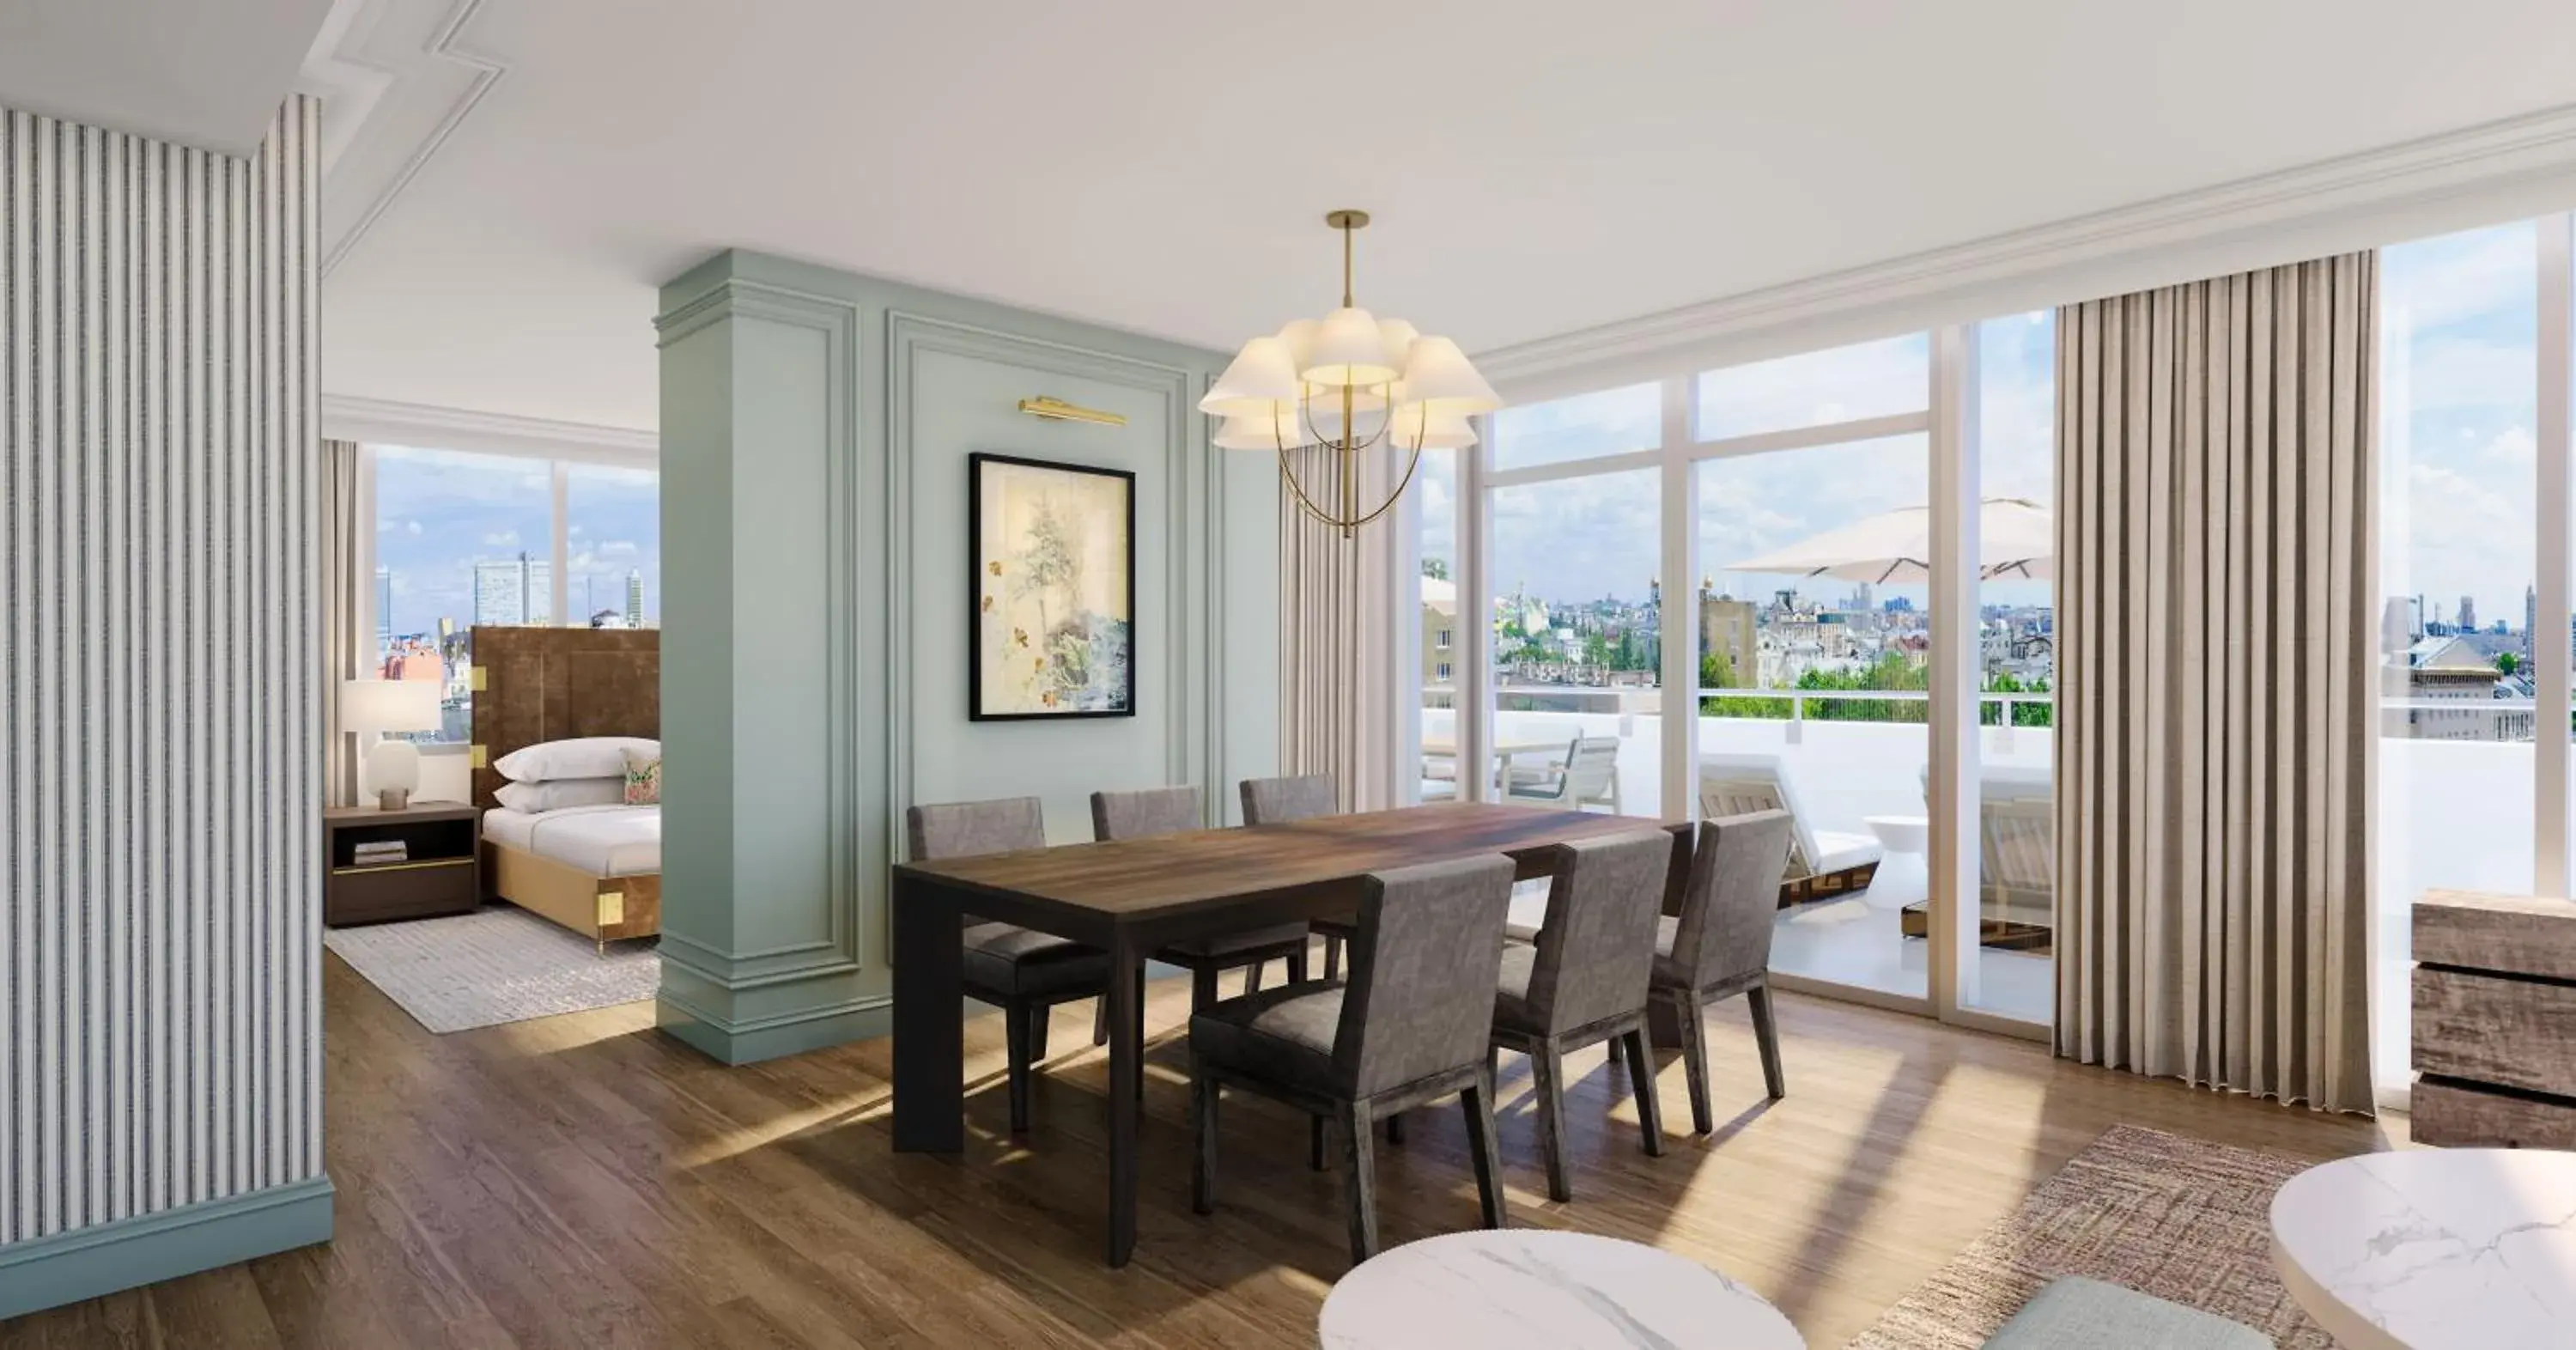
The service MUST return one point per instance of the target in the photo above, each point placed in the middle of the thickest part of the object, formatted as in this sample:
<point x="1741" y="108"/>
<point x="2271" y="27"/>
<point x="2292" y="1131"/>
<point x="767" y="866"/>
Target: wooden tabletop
<point x="1138" y="878"/>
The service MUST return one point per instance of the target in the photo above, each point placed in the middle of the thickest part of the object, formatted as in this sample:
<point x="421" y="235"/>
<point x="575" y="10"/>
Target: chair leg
<point x="1686" y="1018"/>
<point x="1478" y="1103"/>
<point x="1359" y="1160"/>
<point x="1038" y="1032"/>
<point x="1015" y="1036"/>
<point x="1297" y="966"/>
<point x="1203" y="1100"/>
<point x="1766" y="1034"/>
<point x="1641" y="1081"/>
<point x="1547" y="1066"/>
<point x="1395" y="1129"/>
<point x="1100" y="1020"/>
<point x="1202" y="987"/>
<point x="1332" y="957"/>
<point x="1316" y="1128"/>
<point x="1140" y="1031"/>
<point x="1618" y="1050"/>
<point x="1252" y="978"/>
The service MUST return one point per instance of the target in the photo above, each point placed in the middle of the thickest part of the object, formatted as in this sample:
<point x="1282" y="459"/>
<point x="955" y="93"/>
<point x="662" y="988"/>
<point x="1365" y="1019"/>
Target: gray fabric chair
<point x="1173" y="810"/>
<point x="1276" y="801"/>
<point x="1584" y="980"/>
<point x="1714" y="941"/>
<point x="2075" y="1313"/>
<point x="1024" y="973"/>
<point x="1409" y="1027"/>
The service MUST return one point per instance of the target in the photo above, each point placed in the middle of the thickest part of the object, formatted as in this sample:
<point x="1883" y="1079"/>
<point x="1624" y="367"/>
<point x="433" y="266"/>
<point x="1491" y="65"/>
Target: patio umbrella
<point x="2015" y="538"/>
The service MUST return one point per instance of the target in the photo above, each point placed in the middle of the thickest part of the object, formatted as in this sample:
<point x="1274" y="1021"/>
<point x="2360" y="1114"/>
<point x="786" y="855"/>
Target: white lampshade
<point x="1348" y="350"/>
<point x="1398" y="336"/>
<point x="1299" y="334"/>
<point x="1439" y="376"/>
<point x="1262" y="431"/>
<point x="1435" y="430"/>
<point x="1262" y="377"/>
<point x="389" y="705"/>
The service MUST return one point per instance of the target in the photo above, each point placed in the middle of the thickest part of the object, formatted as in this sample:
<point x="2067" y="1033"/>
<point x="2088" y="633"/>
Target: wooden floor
<point x="585" y="1181"/>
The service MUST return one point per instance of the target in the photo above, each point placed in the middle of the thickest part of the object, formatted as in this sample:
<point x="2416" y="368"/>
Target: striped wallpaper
<point x="160" y="888"/>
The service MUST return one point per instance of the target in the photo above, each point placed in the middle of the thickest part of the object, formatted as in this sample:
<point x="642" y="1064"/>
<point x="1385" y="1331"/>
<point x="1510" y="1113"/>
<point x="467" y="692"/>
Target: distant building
<point x="2446" y="671"/>
<point x="515" y="591"/>
<point x="1728" y="627"/>
<point x="384" y="608"/>
<point x="1439" y="632"/>
<point x="634" y="598"/>
<point x="2468" y="616"/>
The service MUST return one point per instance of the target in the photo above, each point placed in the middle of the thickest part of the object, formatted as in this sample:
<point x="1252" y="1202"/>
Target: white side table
<point x="1500" y="1289"/>
<point x="2433" y="1248"/>
<point x="1901" y="834"/>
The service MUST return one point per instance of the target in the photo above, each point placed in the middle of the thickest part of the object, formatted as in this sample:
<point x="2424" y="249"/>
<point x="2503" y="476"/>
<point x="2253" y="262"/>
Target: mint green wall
<point x="815" y="430"/>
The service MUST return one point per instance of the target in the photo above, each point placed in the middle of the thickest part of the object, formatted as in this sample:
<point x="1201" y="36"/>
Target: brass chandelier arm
<point x="1348" y="525"/>
<point x="1350" y="416"/>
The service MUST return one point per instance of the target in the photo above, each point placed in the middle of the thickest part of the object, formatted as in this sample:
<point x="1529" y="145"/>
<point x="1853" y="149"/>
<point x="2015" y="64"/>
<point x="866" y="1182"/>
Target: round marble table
<point x="1501" y="1288"/>
<point x="2433" y="1248"/>
<point x="1901" y="834"/>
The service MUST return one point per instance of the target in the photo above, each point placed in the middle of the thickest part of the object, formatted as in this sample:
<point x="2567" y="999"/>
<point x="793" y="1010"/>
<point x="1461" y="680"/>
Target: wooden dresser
<point x="2495" y="1021"/>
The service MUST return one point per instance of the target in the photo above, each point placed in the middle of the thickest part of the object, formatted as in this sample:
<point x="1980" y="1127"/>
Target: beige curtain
<point x="344" y="608"/>
<point x="2215" y="572"/>
<point x="1339" y="635"/>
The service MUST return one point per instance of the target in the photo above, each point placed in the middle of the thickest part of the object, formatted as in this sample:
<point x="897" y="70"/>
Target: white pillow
<point x="557" y="793"/>
<point x="581" y="757"/>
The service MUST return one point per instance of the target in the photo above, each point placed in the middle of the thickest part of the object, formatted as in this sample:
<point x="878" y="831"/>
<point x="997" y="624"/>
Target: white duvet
<point x="608" y="841"/>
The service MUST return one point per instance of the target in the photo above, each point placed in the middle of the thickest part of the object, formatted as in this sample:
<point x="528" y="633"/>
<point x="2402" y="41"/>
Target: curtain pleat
<point x="2216" y="472"/>
<point x="343" y="619"/>
<point x="1339" y="638"/>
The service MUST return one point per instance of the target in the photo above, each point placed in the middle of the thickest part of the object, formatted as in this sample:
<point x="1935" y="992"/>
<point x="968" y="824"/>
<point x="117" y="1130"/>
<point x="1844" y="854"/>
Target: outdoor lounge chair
<point x="1821" y="862"/>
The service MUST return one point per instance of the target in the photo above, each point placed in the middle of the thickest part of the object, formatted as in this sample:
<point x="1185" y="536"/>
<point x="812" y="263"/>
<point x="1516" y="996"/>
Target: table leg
<point x="929" y="1026"/>
<point x="1126" y="1082"/>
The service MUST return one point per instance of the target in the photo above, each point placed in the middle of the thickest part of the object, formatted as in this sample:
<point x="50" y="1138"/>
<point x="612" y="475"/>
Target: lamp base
<point x="394" y="799"/>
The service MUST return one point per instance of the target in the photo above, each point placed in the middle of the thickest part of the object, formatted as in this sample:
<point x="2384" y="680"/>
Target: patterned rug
<point x="2178" y="1218"/>
<point x="498" y="964"/>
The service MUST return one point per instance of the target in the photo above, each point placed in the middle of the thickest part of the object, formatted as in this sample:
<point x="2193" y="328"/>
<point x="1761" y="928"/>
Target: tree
<point x="2507" y="663"/>
<point x="1436" y="568"/>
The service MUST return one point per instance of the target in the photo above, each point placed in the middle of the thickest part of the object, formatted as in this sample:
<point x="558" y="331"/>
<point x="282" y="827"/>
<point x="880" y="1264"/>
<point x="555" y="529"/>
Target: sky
<point x="438" y="512"/>
<point x="2457" y="422"/>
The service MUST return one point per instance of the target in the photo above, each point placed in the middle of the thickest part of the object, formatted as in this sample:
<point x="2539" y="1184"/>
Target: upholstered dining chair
<point x="1172" y="810"/>
<point x="1584" y="980"/>
<point x="1715" y="942"/>
<point x="1276" y="801"/>
<point x="1408" y="1027"/>
<point x="1024" y="973"/>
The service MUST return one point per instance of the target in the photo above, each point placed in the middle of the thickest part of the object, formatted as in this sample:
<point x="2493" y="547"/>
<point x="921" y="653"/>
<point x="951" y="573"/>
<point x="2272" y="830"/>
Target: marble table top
<point x="1512" y="1287"/>
<point x="2433" y="1248"/>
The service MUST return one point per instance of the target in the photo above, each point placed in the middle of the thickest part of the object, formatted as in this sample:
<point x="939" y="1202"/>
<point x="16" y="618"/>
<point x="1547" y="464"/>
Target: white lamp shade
<point x="1439" y="376"/>
<point x="1349" y="349"/>
<point x="1262" y="376"/>
<point x="389" y="705"/>
<point x="1299" y="334"/>
<point x="1433" y="429"/>
<point x="1397" y="336"/>
<point x="1262" y="431"/>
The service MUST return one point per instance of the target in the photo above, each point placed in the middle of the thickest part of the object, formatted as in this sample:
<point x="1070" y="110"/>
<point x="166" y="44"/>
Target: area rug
<point x="498" y="964"/>
<point x="2178" y="1218"/>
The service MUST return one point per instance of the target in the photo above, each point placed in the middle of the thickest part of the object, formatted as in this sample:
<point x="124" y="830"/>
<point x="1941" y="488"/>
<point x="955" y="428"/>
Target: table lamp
<point x="393" y="767"/>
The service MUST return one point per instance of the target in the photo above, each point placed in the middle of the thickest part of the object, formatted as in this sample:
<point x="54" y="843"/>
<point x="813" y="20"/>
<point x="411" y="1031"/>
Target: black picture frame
<point x="980" y="465"/>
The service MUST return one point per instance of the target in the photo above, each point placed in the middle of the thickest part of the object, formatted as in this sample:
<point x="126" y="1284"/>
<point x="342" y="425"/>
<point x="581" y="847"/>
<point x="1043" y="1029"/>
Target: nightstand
<point x="441" y="872"/>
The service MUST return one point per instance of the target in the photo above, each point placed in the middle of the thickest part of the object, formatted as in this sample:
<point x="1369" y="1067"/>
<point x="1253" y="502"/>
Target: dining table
<point x="1132" y="897"/>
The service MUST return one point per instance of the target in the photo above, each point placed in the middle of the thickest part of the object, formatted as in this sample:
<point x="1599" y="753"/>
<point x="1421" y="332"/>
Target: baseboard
<point x="773" y="1037"/>
<point x="84" y="1263"/>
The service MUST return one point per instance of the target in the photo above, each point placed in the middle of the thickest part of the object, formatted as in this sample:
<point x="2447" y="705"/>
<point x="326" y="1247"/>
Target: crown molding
<point x="2191" y="234"/>
<point x="378" y="87"/>
<point x="377" y="421"/>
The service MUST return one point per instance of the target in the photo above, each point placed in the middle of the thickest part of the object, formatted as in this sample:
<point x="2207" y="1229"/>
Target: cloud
<point x="501" y="538"/>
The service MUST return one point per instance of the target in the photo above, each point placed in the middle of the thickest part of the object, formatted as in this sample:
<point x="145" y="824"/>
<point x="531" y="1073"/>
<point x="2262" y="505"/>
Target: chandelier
<point x="1349" y="382"/>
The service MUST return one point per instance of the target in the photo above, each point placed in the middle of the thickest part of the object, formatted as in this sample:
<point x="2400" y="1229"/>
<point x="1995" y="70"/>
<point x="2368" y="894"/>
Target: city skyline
<point x="441" y="514"/>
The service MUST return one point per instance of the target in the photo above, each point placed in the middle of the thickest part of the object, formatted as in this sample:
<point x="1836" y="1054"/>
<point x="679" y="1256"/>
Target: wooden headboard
<point x="551" y="684"/>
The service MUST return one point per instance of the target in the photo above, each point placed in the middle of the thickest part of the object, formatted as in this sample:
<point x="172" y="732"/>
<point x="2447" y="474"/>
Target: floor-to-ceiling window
<point x="2464" y="630"/>
<point x="1572" y="508"/>
<point x="464" y="539"/>
<point x="1443" y="632"/>
<point x="1815" y="637"/>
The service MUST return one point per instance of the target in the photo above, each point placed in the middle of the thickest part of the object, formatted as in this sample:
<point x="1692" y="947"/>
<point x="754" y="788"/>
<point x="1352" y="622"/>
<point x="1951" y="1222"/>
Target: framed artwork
<point x="1054" y="590"/>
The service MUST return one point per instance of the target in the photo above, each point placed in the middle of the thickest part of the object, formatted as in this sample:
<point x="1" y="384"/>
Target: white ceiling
<point x="192" y="71"/>
<point x="1161" y="165"/>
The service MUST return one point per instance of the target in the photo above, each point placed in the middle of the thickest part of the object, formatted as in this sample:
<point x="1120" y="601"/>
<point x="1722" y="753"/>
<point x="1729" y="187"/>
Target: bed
<point x="596" y="870"/>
